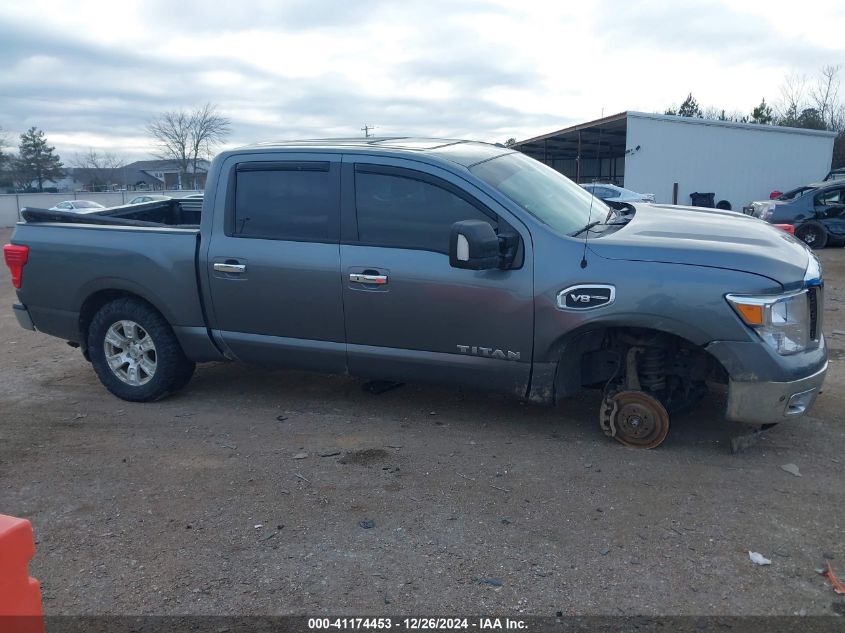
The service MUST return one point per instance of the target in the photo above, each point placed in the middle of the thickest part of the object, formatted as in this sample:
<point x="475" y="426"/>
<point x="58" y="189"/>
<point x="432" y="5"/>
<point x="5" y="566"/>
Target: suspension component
<point x="634" y="418"/>
<point x="652" y="368"/>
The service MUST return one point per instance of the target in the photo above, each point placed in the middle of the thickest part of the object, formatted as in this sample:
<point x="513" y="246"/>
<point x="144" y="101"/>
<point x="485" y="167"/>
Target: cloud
<point x="484" y="69"/>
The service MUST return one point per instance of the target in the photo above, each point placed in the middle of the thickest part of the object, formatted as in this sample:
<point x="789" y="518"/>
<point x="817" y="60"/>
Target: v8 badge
<point x="586" y="297"/>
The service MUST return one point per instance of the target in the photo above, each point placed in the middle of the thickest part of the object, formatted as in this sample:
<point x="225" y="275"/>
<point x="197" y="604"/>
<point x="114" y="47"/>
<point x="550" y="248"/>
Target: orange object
<point x="786" y="227"/>
<point x="837" y="585"/>
<point x="753" y="314"/>
<point x="20" y="595"/>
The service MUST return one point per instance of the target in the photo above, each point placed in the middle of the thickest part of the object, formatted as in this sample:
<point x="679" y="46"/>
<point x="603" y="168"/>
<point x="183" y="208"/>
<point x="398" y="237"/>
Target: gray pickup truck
<point x="431" y="260"/>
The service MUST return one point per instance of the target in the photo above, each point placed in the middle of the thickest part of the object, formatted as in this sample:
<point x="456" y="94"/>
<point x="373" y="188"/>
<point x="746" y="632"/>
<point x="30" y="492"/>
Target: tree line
<point x="185" y="138"/>
<point x="811" y="103"/>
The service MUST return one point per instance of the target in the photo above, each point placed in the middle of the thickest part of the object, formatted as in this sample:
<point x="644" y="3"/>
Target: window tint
<point x="831" y="196"/>
<point x="403" y="212"/>
<point x="285" y="204"/>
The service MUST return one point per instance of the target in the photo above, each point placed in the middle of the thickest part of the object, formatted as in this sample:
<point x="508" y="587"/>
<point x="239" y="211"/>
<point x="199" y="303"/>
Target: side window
<point x="403" y="212"/>
<point x="831" y="196"/>
<point x="64" y="205"/>
<point x="284" y="202"/>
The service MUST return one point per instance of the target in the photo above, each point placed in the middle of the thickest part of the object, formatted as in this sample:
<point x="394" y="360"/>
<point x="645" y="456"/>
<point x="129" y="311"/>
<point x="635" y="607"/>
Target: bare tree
<point x="793" y="96"/>
<point x="208" y="130"/>
<point x="824" y="95"/>
<point x="186" y="138"/>
<point x="171" y="132"/>
<point x="99" y="169"/>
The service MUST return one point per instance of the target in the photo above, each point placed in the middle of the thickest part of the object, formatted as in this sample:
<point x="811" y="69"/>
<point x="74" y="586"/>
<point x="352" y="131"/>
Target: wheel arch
<point x="569" y="351"/>
<point x="96" y="300"/>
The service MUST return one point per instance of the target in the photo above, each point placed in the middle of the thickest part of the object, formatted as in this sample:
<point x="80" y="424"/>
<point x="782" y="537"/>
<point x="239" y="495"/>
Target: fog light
<point x="800" y="402"/>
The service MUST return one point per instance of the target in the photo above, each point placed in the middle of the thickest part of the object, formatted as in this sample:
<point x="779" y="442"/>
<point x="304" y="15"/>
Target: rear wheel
<point x="135" y="353"/>
<point x="813" y="234"/>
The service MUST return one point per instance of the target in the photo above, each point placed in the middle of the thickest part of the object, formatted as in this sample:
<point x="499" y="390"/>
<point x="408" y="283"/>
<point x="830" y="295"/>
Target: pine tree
<point x="37" y="160"/>
<point x="762" y="114"/>
<point x="690" y="108"/>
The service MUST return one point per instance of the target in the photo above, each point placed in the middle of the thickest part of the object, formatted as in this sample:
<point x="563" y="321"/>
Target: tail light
<point x="786" y="227"/>
<point x="16" y="257"/>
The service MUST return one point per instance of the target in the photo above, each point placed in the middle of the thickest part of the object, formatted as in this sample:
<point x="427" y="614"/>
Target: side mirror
<point x="474" y="245"/>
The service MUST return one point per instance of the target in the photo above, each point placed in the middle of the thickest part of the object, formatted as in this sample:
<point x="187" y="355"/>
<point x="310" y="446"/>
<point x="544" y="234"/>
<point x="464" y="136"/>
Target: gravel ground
<point x="275" y="492"/>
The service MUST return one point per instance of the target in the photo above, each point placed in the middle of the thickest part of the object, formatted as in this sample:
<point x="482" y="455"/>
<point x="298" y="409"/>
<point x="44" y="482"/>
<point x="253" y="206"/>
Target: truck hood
<point x="706" y="237"/>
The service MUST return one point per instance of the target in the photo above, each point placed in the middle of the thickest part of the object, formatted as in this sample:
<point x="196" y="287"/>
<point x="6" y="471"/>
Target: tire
<point x="813" y="235"/>
<point x="135" y="353"/>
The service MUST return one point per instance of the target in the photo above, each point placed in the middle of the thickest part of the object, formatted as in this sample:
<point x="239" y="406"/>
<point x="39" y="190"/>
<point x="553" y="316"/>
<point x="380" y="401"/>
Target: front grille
<point x="813" y="298"/>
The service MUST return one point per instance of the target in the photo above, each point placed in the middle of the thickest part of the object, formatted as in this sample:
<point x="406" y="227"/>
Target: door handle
<point x="361" y="278"/>
<point x="221" y="267"/>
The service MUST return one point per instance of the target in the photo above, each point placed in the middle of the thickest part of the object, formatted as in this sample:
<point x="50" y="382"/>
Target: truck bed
<point x="150" y="251"/>
<point x="175" y="213"/>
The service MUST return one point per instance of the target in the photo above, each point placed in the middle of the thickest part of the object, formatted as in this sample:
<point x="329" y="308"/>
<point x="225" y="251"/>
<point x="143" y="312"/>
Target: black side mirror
<point x="474" y="245"/>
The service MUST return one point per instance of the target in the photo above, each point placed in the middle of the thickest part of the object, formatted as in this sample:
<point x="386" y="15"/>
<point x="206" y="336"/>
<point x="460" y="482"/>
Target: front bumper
<point x="760" y="402"/>
<point x="23" y="317"/>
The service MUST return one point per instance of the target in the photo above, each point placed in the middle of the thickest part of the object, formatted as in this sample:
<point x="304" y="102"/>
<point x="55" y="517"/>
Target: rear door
<point x="273" y="264"/>
<point x="409" y="314"/>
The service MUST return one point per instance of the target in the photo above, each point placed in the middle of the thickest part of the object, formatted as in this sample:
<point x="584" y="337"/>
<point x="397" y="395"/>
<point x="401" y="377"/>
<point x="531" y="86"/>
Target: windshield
<point x="543" y="192"/>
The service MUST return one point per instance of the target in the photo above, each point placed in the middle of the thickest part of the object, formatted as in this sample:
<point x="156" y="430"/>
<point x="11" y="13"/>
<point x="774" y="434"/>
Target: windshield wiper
<point x="586" y="227"/>
<point x="596" y="223"/>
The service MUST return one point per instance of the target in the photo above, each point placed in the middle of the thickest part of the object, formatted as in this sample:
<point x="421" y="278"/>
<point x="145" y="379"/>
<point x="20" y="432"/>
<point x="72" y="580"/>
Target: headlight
<point x="813" y="276"/>
<point x="782" y="321"/>
<point x="768" y="211"/>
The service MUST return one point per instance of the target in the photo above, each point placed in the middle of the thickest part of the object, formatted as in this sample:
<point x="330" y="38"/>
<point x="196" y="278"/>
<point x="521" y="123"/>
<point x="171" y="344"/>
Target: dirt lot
<point x="421" y="500"/>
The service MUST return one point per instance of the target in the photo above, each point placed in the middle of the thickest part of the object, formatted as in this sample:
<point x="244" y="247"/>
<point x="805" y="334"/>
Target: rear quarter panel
<point x="68" y="263"/>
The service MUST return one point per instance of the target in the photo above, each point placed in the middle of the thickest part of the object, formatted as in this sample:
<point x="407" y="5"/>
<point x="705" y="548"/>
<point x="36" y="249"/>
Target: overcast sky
<point x="91" y="74"/>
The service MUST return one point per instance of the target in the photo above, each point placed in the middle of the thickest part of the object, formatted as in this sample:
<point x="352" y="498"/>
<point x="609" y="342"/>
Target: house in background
<point x="157" y="175"/>
<point x="142" y="175"/>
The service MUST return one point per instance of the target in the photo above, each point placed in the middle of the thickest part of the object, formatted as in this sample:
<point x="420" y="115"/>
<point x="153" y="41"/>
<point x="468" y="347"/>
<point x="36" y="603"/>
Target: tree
<point x="208" y="129"/>
<point x="189" y="137"/>
<point x="762" y="114"/>
<point x="690" y="108"/>
<point x="824" y="95"/>
<point x="37" y="161"/>
<point x="4" y="143"/>
<point x="171" y="132"/>
<point x="510" y="142"/>
<point x="98" y="170"/>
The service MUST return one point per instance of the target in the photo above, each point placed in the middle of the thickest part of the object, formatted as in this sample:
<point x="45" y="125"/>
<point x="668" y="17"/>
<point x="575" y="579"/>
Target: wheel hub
<point x="634" y="418"/>
<point x="130" y="353"/>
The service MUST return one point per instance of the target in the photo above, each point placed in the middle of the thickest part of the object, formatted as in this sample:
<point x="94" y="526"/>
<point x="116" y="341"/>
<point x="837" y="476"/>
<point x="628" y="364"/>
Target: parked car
<point x="149" y="197"/>
<point x="76" y="205"/>
<point x="612" y="193"/>
<point x="427" y="260"/>
<point x="817" y="212"/>
<point x="193" y="196"/>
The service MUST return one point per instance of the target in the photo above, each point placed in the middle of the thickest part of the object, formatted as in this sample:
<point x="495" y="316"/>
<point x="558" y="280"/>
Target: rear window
<point x="294" y="202"/>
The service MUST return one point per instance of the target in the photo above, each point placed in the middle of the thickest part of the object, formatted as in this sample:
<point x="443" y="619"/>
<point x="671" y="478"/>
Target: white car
<point x="77" y="205"/>
<point x="147" y="198"/>
<point x="612" y="193"/>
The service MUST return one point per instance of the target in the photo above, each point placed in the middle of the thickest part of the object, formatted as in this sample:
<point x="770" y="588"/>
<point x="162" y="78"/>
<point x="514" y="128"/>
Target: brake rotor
<point x="634" y="418"/>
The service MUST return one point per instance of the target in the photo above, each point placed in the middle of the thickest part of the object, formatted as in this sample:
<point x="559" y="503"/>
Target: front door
<point x="409" y="314"/>
<point x="274" y="266"/>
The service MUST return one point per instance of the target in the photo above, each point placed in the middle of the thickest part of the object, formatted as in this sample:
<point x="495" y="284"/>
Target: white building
<point x="673" y="156"/>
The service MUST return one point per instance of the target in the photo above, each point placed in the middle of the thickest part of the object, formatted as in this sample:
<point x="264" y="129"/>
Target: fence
<point x="11" y="204"/>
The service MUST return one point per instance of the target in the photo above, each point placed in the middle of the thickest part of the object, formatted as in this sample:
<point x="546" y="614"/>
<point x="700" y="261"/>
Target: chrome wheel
<point x="130" y="353"/>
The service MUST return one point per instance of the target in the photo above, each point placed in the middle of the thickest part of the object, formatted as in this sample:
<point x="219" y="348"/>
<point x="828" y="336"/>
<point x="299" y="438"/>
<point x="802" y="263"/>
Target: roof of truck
<point x="462" y="152"/>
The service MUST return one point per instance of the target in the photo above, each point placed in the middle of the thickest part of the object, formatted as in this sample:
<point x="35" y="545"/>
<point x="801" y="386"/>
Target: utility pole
<point x="366" y="130"/>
